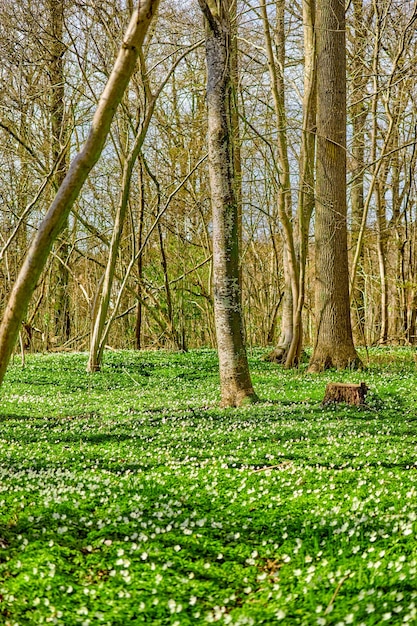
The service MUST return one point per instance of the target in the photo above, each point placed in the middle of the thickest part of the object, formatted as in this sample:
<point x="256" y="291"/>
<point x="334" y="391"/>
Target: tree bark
<point x="60" y="276"/>
<point x="280" y="352"/>
<point x="334" y="343"/>
<point x="284" y="202"/>
<point x="306" y="198"/>
<point x="382" y="237"/>
<point x="235" y="382"/>
<point x="139" y="310"/>
<point x="68" y="192"/>
<point x="342" y="392"/>
<point x="358" y="114"/>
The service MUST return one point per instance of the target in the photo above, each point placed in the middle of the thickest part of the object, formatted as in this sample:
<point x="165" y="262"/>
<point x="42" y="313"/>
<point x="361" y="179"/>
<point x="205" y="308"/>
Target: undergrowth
<point x="129" y="497"/>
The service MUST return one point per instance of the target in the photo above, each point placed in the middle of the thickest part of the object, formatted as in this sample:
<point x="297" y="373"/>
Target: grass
<point x="128" y="497"/>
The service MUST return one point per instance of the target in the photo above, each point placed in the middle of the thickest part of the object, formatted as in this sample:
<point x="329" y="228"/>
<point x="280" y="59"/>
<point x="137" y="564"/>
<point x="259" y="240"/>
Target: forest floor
<point x="129" y="497"/>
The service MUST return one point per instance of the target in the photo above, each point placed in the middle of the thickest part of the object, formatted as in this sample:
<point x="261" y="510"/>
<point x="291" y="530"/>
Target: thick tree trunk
<point x="235" y="383"/>
<point x="57" y="214"/>
<point x="334" y="344"/>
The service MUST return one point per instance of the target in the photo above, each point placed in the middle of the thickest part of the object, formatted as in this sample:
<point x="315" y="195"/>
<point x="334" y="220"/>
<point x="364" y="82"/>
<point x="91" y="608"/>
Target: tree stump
<point x="342" y="392"/>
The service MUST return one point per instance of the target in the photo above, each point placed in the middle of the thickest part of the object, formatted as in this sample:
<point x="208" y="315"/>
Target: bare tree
<point x="99" y="333"/>
<point x="60" y="294"/>
<point x="235" y="383"/>
<point x="334" y="343"/>
<point x="306" y="199"/>
<point x="276" y="64"/>
<point x="68" y="192"/>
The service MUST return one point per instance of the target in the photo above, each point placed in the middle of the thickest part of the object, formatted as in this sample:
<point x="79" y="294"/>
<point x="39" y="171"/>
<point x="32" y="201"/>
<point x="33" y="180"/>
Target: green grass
<point x="129" y="497"/>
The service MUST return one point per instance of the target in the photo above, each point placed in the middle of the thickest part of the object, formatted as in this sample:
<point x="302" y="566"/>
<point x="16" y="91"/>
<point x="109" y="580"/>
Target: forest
<point x="131" y="265"/>
<point x="208" y="218"/>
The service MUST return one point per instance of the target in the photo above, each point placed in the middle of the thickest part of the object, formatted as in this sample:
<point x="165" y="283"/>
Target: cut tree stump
<point x="342" y="392"/>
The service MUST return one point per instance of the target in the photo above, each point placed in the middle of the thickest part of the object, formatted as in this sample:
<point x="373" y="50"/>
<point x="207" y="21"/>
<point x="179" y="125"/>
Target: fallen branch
<point x="336" y="591"/>
<point x="270" y="467"/>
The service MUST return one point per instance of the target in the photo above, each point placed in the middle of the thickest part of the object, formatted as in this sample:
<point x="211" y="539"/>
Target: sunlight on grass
<point x="128" y="496"/>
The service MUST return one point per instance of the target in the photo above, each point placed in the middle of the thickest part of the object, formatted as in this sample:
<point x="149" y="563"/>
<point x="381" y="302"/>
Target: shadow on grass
<point x="10" y="417"/>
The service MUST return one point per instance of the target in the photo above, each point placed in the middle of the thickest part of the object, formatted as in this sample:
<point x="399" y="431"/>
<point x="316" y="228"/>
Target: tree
<point x="56" y="216"/>
<point x="170" y="286"/>
<point x="276" y="64"/>
<point x="334" y="343"/>
<point x="306" y="198"/>
<point x="295" y="225"/>
<point x="358" y="110"/>
<point x="392" y="35"/>
<point x="100" y="332"/>
<point x="235" y="382"/>
<point x="62" y="323"/>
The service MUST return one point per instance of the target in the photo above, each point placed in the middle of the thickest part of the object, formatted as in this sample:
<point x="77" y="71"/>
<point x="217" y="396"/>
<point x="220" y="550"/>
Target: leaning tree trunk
<point x="99" y="330"/>
<point x="235" y="383"/>
<point x="99" y="320"/>
<point x="68" y="192"/>
<point x="334" y="343"/>
<point x="101" y="327"/>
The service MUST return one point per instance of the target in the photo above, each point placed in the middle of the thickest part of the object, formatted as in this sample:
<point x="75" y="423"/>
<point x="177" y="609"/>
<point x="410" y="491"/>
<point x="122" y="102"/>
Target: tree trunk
<point x="68" y="192"/>
<point x="359" y="114"/>
<point x="172" y="330"/>
<point x="306" y="175"/>
<point x="60" y="275"/>
<point x="334" y="344"/>
<point x="101" y="329"/>
<point x="284" y="203"/>
<point x="139" y="310"/>
<point x="382" y="235"/>
<point x="280" y="352"/>
<point x="235" y="383"/>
